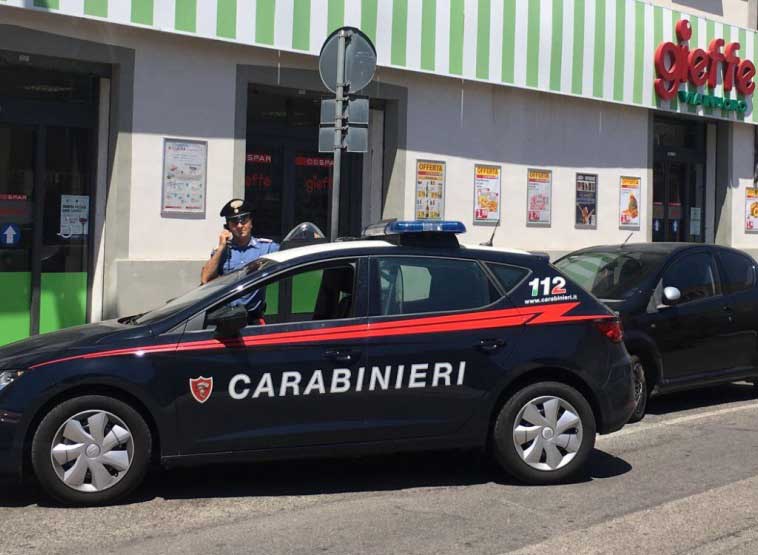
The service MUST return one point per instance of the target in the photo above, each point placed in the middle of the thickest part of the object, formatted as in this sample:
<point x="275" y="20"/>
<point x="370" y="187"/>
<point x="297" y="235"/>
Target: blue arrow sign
<point x="10" y="235"/>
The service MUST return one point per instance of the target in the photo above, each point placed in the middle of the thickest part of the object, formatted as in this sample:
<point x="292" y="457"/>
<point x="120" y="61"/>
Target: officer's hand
<point x="224" y="238"/>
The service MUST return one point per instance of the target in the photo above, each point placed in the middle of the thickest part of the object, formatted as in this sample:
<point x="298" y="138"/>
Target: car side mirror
<point x="671" y="295"/>
<point x="229" y="320"/>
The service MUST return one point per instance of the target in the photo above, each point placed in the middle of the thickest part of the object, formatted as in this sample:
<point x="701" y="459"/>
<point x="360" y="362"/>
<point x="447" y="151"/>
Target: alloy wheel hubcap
<point x="547" y="433"/>
<point x="639" y="377"/>
<point x="92" y="451"/>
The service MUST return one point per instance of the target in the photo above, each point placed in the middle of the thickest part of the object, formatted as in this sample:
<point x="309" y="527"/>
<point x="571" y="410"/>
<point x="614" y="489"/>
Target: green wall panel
<point x="14" y="305"/>
<point x="63" y="300"/>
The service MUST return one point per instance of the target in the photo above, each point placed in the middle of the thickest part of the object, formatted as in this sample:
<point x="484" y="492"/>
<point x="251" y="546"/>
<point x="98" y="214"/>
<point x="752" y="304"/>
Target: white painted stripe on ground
<point x="207" y="15"/>
<point x="567" y="53"/>
<point x="683" y="525"/>
<point x="647" y="82"/>
<point x="319" y="18"/>
<point x="588" y="67"/>
<point x="352" y="14"/>
<point x="442" y="37"/>
<point x="246" y="21"/>
<point x="519" y="46"/>
<point x="165" y="15"/>
<point x="546" y="44"/>
<point x="384" y="33"/>
<point x="283" y="18"/>
<point x="413" y="35"/>
<point x="642" y="427"/>
<point x="609" y="64"/>
<point x="629" y="48"/>
<point x="496" y="42"/>
<point x="470" y="17"/>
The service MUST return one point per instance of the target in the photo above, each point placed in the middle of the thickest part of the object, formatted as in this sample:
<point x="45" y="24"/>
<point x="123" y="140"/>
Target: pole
<point x="338" y="134"/>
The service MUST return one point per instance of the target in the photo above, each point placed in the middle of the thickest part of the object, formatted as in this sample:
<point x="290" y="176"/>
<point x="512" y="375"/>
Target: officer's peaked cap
<point x="236" y="207"/>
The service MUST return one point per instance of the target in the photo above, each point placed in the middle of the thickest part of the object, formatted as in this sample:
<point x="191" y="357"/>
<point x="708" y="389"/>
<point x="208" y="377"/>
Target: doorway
<point x="47" y="163"/>
<point x="286" y="178"/>
<point x="679" y="181"/>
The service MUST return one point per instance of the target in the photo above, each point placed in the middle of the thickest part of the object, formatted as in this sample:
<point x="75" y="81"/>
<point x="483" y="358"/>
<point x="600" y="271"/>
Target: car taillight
<point x="611" y="329"/>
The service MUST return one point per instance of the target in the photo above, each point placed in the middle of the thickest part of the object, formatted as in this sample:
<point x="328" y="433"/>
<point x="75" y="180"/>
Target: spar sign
<point x="676" y="64"/>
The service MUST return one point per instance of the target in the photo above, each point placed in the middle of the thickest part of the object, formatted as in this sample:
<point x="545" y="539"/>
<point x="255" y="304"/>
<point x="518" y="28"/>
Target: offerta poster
<point x="487" y="182"/>
<point x="629" y="199"/>
<point x="74" y="216"/>
<point x="751" y="210"/>
<point x="430" y="189"/>
<point x="539" y="187"/>
<point x="586" y="200"/>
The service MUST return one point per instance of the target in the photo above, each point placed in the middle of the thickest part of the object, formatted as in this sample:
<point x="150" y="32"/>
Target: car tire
<point x="91" y="450"/>
<point x="536" y="447"/>
<point x="641" y="391"/>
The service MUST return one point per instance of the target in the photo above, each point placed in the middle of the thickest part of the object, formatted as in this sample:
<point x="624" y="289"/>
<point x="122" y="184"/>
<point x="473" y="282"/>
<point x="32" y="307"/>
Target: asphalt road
<point x="684" y="480"/>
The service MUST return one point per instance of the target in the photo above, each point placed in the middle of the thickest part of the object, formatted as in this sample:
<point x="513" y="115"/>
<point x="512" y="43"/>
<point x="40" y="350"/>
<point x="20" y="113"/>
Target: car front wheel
<point x="544" y="433"/>
<point x="91" y="450"/>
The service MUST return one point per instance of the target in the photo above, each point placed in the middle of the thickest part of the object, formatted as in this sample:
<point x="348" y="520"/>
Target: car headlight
<point x="7" y="377"/>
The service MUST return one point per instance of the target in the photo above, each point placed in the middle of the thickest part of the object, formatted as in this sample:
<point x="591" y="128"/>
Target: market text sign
<point x="676" y="64"/>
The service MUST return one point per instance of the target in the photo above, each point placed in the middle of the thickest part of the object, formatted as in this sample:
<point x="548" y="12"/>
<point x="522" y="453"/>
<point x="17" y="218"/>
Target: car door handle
<point x="490" y="345"/>
<point x="341" y="355"/>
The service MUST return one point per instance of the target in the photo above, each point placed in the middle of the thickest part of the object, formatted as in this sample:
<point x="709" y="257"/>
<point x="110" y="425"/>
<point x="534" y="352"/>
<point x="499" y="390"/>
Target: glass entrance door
<point x="17" y="178"/>
<point x="678" y="201"/>
<point x="45" y="206"/>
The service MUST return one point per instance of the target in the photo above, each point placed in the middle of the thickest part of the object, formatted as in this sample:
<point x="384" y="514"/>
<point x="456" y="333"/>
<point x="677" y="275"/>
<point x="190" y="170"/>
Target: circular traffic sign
<point x="360" y="60"/>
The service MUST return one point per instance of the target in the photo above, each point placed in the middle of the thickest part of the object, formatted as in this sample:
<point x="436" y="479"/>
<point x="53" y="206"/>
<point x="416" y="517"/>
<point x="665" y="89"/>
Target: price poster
<point x="539" y="188"/>
<point x="184" y="177"/>
<point x="629" y="198"/>
<point x="586" y="201"/>
<point x="487" y="181"/>
<point x="751" y="210"/>
<point x="430" y="189"/>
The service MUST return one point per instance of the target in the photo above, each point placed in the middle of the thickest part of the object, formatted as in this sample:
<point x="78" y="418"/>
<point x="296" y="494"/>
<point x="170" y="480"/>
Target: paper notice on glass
<point x="539" y="189"/>
<point x="486" y="194"/>
<point x="74" y="216"/>
<point x="629" y="199"/>
<point x="751" y="210"/>
<point x="184" y="177"/>
<point x="430" y="190"/>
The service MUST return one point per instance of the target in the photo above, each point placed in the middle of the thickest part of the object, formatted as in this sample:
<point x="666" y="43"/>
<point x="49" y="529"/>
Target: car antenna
<point x="488" y="243"/>
<point x="627" y="238"/>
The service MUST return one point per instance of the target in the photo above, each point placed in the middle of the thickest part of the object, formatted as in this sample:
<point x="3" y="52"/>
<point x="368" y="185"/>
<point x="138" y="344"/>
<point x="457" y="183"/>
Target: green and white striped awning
<point x="600" y="49"/>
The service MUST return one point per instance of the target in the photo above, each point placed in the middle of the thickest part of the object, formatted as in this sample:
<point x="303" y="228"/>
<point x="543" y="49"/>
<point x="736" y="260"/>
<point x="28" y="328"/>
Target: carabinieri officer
<point x="236" y="244"/>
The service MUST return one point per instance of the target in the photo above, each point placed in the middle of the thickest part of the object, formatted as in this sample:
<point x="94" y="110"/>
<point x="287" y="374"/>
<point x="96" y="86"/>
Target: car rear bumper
<point x="616" y="398"/>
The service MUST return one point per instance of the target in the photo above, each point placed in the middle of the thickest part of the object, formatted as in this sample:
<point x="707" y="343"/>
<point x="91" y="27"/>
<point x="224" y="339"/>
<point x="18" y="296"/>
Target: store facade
<point x="126" y="125"/>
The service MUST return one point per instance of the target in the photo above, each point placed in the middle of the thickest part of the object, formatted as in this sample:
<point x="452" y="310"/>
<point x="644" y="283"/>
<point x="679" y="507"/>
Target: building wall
<point x="735" y="12"/>
<point x="477" y="123"/>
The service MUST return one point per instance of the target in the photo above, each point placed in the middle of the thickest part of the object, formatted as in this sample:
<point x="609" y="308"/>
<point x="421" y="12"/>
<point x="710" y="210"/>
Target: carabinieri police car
<point x="402" y="340"/>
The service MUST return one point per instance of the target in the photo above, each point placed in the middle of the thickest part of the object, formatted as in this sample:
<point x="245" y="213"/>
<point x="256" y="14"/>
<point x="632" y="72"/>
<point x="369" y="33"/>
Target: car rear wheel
<point x="91" y="450"/>
<point x="544" y="433"/>
<point x="641" y="392"/>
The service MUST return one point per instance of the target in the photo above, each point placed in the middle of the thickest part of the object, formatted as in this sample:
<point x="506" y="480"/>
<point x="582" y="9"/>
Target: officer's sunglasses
<point x="241" y="219"/>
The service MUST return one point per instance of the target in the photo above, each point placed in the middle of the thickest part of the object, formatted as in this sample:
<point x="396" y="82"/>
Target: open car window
<point x="311" y="293"/>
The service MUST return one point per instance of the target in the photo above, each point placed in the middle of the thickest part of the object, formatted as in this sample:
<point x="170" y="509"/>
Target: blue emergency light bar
<point x="402" y="227"/>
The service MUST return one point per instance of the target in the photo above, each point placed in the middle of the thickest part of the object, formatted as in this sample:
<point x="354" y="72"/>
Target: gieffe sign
<point x="676" y="64"/>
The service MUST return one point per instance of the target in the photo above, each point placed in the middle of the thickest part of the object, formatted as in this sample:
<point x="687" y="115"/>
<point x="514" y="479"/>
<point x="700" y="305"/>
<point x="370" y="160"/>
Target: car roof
<point x="370" y="245"/>
<point x="653" y="248"/>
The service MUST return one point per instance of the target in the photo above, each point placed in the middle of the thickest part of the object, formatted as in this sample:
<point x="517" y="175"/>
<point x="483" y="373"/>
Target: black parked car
<point x="689" y="311"/>
<point x="407" y="341"/>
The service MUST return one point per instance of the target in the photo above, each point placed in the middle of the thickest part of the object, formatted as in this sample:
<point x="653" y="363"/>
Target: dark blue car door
<point x="287" y="382"/>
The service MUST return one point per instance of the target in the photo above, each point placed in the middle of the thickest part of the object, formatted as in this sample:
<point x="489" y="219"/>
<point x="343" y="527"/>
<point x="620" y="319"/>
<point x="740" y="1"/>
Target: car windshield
<point x="198" y="294"/>
<point x="613" y="275"/>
